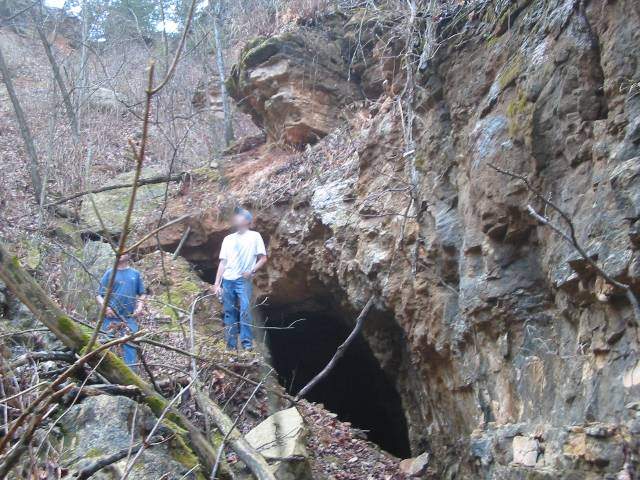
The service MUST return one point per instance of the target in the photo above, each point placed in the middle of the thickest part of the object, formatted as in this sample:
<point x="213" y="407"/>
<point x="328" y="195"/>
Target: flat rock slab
<point x="281" y="440"/>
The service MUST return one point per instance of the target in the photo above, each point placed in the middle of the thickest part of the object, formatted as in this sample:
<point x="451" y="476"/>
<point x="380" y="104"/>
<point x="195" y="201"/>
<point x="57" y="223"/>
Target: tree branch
<point x="340" y="351"/>
<point x="143" y="181"/>
<point x="571" y="238"/>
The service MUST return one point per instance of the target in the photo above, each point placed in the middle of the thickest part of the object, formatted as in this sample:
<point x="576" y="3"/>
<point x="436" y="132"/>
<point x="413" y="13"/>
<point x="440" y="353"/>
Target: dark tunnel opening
<point x="301" y="343"/>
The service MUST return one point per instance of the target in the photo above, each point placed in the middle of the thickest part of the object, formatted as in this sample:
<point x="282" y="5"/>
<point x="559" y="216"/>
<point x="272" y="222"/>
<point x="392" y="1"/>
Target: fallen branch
<point x="130" y="391"/>
<point x="251" y="458"/>
<point x="339" y="352"/>
<point x="103" y="462"/>
<point x="43" y="357"/>
<point x="176" y="177"/>
<point x="182" y="241"/>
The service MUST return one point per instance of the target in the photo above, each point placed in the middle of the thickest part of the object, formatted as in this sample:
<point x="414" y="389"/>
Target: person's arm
<point x="217" y="286"/>
<point x="262" y="259"/>
<point x="109" y="312"/>
<point x="141" y="297"/>
<point x="102" y="291"/>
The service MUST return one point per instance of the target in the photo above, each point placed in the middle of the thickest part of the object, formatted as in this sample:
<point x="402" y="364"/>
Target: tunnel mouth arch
<point x="301" y="338"/>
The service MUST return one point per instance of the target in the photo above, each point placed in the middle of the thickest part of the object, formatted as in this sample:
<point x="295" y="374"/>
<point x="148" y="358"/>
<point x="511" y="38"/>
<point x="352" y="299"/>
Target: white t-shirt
<point x="240" y="250"/>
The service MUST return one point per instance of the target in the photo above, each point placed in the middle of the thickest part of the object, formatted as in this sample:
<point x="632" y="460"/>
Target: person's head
<point x="124" y="260"/>
<point x="242" y="219"/>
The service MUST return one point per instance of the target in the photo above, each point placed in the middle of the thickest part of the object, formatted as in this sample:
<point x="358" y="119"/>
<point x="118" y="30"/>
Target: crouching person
<point x="125" y="303"/>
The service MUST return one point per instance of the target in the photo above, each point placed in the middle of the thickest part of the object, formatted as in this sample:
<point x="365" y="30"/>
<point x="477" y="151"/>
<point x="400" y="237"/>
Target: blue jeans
<point x="129" y="352"/>
<point x="236" y="300"/>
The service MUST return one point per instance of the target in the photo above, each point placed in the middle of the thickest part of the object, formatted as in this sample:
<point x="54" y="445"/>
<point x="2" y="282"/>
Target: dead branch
<point x="141" y="182"/>
<point x="176" y="58"/>
<point x="139" y="155"/>
<point x="339" y="352"/>
<point x="103" y="462"/>
<point x="185" y="235"/>
<point x="130" y="391"/>
<point x="19" y="12"/>
<point x="256" y="462"/>
<point x="571" y="239"/>
<point x="42" y="357"/>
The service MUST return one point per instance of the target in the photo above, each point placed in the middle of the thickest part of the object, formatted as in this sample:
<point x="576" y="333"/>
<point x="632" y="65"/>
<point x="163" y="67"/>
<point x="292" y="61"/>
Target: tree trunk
<point x="76" y="337"/>
<point x="226" y="107"/>
<point x="66" y="98"/>
<point x="34" y="169"/>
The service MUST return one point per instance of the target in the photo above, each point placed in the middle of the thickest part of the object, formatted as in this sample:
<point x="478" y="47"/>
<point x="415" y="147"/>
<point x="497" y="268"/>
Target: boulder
<point x="415" y="467"/>
<point x="105" y="99"/>
<point x="112" y="204"/>
<point x="101" y="426"/>
<point x="245" y="144"/>
<point x="295" y="85"/>
<point x="281" y="440"/>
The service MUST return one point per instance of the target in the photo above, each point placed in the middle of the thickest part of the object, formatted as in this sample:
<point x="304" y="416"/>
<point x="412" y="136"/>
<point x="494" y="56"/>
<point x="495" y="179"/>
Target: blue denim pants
<point x="236" y="301"/>
<point x="129" y="352"/>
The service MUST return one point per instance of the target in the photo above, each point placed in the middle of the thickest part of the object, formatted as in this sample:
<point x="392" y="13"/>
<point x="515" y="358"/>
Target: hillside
<point x="464" y="177"/>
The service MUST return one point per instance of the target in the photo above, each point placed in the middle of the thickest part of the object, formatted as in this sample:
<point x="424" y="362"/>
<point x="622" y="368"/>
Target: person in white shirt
<point x="242" y="254"/>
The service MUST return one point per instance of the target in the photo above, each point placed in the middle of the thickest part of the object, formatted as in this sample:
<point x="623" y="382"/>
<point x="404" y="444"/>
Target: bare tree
<point x="226" y="107"/>
<point x="32" y="154"/>
<point x="64" y="91"/>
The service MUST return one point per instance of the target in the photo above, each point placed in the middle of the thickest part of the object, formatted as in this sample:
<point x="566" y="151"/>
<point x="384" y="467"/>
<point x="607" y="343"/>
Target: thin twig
<point x="235" y="423"/>
<point x="127" y="220"/>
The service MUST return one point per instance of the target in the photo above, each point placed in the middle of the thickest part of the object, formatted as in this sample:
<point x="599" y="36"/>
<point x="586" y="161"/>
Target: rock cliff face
<point x="512" y="358"/>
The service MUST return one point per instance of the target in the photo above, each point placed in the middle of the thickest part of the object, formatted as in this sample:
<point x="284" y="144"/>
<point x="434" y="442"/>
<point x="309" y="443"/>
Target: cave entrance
<point x="301" y="343"/>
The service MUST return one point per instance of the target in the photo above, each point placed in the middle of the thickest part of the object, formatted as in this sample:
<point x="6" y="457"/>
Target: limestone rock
<point x="415" y="467"/>
<point x="112" y="204"/>
<point x="281" y="440"/>
<point x="295" y="85"/>
<point x="101" y="426"/>
<point x="528" y="86"/>
<point x="105" y="99"/>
